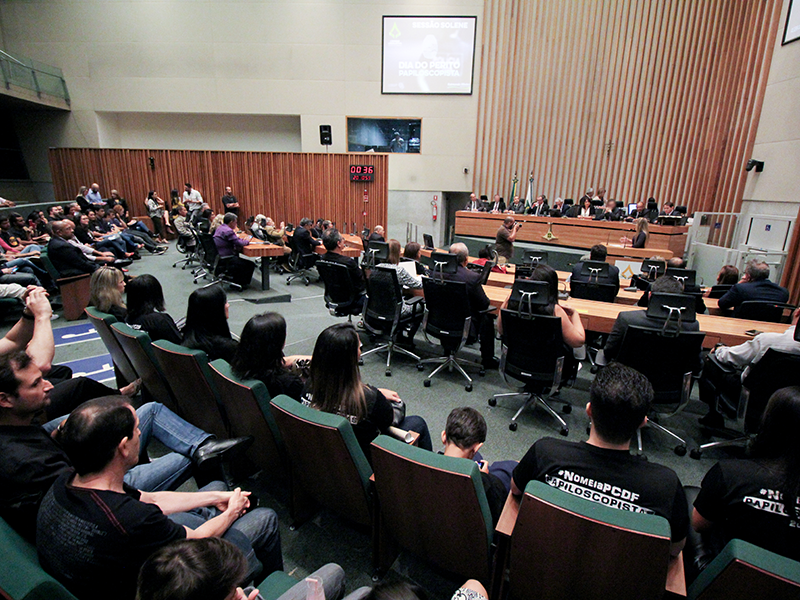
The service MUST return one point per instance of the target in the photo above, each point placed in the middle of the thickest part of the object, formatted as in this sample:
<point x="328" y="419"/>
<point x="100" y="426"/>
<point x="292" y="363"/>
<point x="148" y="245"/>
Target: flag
<point x="514" y="182"/>
<point x="529" y="193"/>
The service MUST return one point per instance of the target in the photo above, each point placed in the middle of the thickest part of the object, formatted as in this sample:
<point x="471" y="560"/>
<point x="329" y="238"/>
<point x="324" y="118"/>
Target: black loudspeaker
<point x="325" y="135"/>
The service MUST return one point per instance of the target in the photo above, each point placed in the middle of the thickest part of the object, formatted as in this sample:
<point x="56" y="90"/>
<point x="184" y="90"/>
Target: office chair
<point x="340" y="293"/>
<point x="448" y="318"/>
<point x="719" y="290"/>
<point x="213" y="263"/>
<point x="301" y="264"/>
<point x="383" y="313"/>
<point x="532" y="352"/>
<point x="535" y="257"/>
<point x="759" y="310"/>
<point x="667" y="356"/>
<point x="600" y="292"/>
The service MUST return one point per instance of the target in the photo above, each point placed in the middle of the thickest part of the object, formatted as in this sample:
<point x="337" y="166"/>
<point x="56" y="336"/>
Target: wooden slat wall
<point x="283" y="185"/>
<point x="643" y="97"/>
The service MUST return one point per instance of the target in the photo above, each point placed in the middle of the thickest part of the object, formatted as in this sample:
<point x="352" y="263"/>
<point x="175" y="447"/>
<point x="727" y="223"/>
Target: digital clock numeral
<point x="362" y="172"/>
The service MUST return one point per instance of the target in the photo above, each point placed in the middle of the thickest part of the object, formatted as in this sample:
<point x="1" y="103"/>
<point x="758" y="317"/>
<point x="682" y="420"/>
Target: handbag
<point x="399" y="410"/>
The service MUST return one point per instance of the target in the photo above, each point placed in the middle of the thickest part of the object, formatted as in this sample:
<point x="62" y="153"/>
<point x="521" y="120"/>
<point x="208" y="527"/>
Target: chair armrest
<point x="67" y="280"/>
<point x="676" y="578"/>
<point x="508" y="518"/>
<point x="409" y="437"/>
<point x="486" y="311"/>
<point x="414" y="300"/>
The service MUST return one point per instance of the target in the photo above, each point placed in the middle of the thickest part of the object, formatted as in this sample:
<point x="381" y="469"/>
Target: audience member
<point x="663" y="285"/>
<point x="377" y="234"/>
<point x="260" y="356"/>
<point x="728" y="275"/>
<point x="214" y="569"/>
<point x="463" y="436"/>
<point x="155" y="210"/>
<point x="334" y="386"/>
<point x="602" y="469"/>
<point x="116" y="526"/>
<point x="305" y="244"/>
<point x="67" y="259"/>
<point x="114" y="244"/>
<point x="505" y="238"/>
<point x="334" y="245"/>
<point x="26" y="236"/>
<point x="12" y="240"/>
<point x="385" y="590"/>
<point x="412" y="252"/>
<point x="407" y="281"/>
<point x="206" y="325"/>
<point x="239" y="269"/>
<point x="146" y="310"/>
<point x="756" y="499"/>
<point x="107" y="286"/>
<point x="94" y="197"/>
<point x="754" y="285"/>
<point x="599" y="253"/>
<point x="229" y="202"/>
<point x="640" y="237"/>
<point x="81" y="198"/>
<point x="179" y="222"/>
<point x="275" y="234"/>
<point x="726" y="367"/>
<point x="482" y="323"/>
<point x="192" y="200"/>
<point x="114" y="200"/>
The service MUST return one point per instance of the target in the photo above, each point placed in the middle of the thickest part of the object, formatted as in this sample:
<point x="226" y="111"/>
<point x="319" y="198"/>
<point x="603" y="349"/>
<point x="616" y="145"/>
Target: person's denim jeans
<point x="169" y="471"/>
<point x="256" y="533"/>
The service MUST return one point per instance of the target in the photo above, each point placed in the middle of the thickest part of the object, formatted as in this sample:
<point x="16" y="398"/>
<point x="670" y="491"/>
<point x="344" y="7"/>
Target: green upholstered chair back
<point x="21" y="576"/>
<point x="564" y="546"/>
<point x="188" y="376"/>
<point x="246" y="405"/>
<point x="326" y="459"/>
<point x="102" y="324"/>
<point x="434" y="506"/>
<point x="743" y="571"/>
<point x="138" y="349"/>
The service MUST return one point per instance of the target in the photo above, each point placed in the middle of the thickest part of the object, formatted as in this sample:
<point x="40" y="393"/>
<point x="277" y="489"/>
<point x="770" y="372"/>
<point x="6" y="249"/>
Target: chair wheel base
<point x="388" y="372"/>
<point x="696" y="453"/>
<point x="680" y="450"/>
<point x="492" y="401"/>
<point x="512" y="426"/>
<point x="564" y="431"/>
<point x="482" y="372"/>
<point x="427" y="383"/>
<point x="594" y="369"/>
<point x="420" y="367"/>
<point x="468" y="387"/>
<point x="566" y="409"/>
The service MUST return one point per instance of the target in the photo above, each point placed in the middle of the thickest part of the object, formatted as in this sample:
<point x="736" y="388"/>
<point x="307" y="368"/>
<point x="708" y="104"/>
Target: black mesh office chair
<point x="301" y="264"/>
<point x="774" y="371"/>
<point x="187" y="245"/>
<point x="532" y="352"/>
<point x="447" y="318"/>
<point x="535" y="257"/>
<point x="213" y="264"/>
<point x="601" y="292"/>
<point x="340" y="294"/>
<point x="719" y="290"/>
<point x="375" y="254"/>
<point x="758" y="310"/>
<point x="667" y="356"/>
<point x="383" y="313"/>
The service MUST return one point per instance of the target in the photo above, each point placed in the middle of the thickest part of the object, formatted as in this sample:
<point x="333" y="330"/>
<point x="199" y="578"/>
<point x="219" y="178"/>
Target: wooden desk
<point x="577" y="233"/>
<point x="676" y="578"/>
<point x="264" y="251"/>
<point x="600" y="317"/>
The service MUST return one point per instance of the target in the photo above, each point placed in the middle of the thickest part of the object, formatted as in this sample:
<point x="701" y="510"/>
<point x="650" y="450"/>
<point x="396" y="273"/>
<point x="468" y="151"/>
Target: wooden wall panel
<point x="643" y="97"/>
<point x="283" y="185"/>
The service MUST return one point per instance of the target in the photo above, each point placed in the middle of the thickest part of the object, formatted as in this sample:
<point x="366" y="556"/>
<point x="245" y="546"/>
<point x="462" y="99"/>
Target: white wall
<point x="137" y="71"/>
<point x="775" y="191"/>
<point x="415" y="208"/>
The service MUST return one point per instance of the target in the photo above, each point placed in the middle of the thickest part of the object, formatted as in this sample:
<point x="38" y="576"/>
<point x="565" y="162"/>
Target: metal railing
<point x="32" y="75"/>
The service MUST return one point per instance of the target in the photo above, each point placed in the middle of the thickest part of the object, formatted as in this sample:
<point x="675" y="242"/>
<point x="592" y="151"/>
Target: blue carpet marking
<point x="75" y="334"/>
<point x="99" y="368"/>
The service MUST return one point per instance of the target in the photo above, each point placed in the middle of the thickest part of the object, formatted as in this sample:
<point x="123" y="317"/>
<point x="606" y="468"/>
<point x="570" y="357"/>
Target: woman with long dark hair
<point x="206" y="325"/>
<point x="260" y="356"/>
<point x="756" y="499"/>
<point x="146" y="309"/>
<point x="155" y="209"/>
<point x="335" y="386"/>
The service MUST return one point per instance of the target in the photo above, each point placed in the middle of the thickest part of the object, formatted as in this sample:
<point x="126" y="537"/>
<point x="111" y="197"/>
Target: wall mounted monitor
<point x="384" y="135"/>
<point x="428" y="55"/>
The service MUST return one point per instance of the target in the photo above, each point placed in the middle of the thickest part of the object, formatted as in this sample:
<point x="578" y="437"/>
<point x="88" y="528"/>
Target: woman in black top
<point x="640" y="236"/>
<point x="146" y="310"/>
<point x="106" y="288"/>
<point x="206" y="326"/>
<point x="260" y="356"/>
<point x="335" y="386"/>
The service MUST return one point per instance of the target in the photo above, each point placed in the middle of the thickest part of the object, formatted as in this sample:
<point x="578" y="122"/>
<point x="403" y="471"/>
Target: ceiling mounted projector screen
<point x="428" y="55"/>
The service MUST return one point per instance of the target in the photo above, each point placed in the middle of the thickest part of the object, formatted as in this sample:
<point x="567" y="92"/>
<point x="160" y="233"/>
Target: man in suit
<point x="498" y="205"/>
<point x="540" y="207"/>
<point x="517" y="206"/>
<point x="334" y="244"/>
<point x="755" y="285"/>
<point x="304" y="243"/>
<point x="640" y="211"/>
<point x="598" y="253"/>
<point x="668" y="210"/>
<point x="378" y="234"/>
<point x="558" y="210"/>
<point x="482" y="323"/>
<point x="67" y="259"/>
<point x="609" y="212"/>
<point x="473" y="204"/>
<point x="664" y="285"/>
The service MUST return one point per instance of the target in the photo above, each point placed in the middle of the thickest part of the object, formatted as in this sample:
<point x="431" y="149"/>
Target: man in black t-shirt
<point x="99" y="530"/>
<point x="602" y="469"/>
<point x="229" y="202"/>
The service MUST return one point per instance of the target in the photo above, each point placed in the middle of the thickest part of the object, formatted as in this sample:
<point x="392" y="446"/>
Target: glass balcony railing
<point x="33" y="75"/>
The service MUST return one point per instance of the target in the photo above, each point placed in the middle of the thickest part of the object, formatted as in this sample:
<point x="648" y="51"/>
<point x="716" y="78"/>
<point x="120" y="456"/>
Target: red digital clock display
<point x="362" y="172"/>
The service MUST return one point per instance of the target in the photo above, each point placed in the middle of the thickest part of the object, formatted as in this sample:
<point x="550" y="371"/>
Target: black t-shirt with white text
<point x="613" y="478"/>
<point x="743" y="496"/>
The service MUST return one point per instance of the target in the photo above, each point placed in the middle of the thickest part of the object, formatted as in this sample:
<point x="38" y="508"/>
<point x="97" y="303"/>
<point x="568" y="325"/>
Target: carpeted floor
<point x="328" y="537"/>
